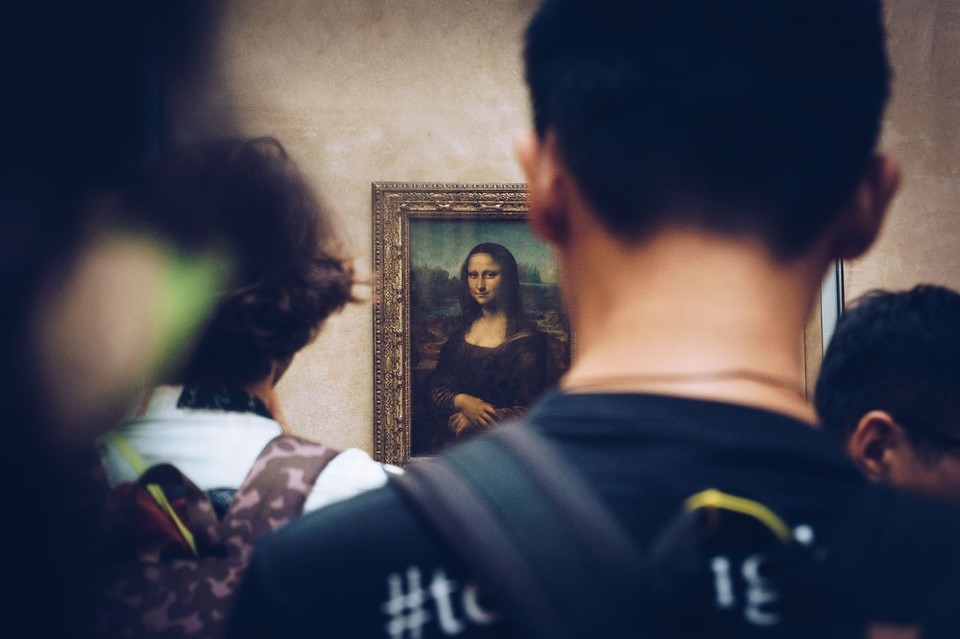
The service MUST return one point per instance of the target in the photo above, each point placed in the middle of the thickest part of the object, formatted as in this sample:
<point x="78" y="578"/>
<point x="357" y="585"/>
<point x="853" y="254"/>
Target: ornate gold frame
<point x="394" y="205"/>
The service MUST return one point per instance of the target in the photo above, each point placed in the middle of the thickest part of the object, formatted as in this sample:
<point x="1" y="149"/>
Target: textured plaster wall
<point x="431" y="90"/>
<point x="361" y="91"/>
<point x="921" y="239"/>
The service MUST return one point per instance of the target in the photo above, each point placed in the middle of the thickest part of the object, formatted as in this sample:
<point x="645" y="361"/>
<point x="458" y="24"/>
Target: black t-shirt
<point x="371" y="567"/>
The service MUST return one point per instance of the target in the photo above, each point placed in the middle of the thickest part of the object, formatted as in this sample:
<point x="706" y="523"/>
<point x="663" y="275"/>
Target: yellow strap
<point x="155" y="490"/>
<point x="713" y="498"/>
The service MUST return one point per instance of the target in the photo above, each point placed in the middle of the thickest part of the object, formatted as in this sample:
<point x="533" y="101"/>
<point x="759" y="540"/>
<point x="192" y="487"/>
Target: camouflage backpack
<point x="157" y="581"/>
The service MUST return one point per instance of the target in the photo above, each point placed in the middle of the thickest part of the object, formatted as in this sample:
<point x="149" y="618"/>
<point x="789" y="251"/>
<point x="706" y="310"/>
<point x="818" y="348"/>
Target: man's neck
<point x="266" y="391"/>
<point x="690" y="314"/>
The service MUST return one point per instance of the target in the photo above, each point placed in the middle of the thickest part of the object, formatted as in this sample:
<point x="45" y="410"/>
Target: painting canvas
<point x="470" y="328"/>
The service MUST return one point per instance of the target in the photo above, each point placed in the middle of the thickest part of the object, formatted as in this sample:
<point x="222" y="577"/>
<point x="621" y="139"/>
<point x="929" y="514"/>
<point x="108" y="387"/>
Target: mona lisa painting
<point x="468" y="324"/>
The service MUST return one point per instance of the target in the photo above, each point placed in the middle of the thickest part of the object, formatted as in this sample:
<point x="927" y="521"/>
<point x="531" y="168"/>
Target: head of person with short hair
<point x="889" y="388"/>
<point x="730" y="139"/>
<point x="739" y="117"/>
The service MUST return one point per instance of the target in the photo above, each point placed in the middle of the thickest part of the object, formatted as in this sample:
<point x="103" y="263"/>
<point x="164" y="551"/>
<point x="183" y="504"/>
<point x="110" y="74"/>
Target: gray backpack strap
<point x="535" y="536"/>
<point x="276" y="487"/>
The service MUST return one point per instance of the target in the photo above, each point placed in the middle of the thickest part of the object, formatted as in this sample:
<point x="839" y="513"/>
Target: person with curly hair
<point x="289" y="273"/>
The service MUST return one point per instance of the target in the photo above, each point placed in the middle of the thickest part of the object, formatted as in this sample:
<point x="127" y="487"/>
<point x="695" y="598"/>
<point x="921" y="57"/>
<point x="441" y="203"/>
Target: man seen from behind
<point x="695" y="166"/>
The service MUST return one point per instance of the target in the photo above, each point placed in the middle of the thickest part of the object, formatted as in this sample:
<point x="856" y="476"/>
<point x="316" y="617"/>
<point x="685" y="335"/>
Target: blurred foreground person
<point x="696" y="167"/>
<point x="76" y="86"/>
<point x="889" y="388"/>
<point x="203" y="467"/>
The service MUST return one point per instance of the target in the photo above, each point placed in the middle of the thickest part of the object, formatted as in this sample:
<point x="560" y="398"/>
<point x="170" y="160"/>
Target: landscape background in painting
<point x="437" y="249"/>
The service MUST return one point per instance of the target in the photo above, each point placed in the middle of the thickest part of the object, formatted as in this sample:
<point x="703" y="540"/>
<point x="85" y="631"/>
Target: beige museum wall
<point x="921" y="239"/>
<point x="431" y="90"/>
<point x="361" y="91"/>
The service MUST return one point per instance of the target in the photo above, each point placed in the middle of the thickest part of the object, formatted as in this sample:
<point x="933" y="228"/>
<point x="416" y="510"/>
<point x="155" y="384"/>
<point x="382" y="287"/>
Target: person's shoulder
<point x="529" y="335"/>
<point x="348" y="474"/>
<point x="354" y="569"/>
<point x="461" y="330"/>
<point x="905" y="513"/>
<point x="356" y="539"/>
<point x="923" y="525"/>
<point x="455" y="339"/>
<point x="348" y="522"/>
<point x="327" y="572"/>
<point x="904" y="547"/>
<point x="375" y="524"/>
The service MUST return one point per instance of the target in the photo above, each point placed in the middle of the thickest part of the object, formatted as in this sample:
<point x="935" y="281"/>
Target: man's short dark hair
<point x="897" y="352"/>
<point x="248" y="198"/>
<point x="739" y="116"/>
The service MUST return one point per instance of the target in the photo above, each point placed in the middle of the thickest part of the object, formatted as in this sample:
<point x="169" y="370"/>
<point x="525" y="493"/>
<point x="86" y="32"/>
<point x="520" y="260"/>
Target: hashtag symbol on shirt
<point x="406" y="610"/>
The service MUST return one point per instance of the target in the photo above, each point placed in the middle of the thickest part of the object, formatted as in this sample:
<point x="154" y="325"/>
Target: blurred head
<point x="489" y="277"/>
<point x="290" y="269"/>
<point x="744" y="117"/>
<point x="889" y="388"/>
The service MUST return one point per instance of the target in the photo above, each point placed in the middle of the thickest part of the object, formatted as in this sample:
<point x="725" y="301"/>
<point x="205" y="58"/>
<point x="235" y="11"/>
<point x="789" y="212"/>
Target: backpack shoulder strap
<point x="277" y="486"/>
<point x="533" y="533"/>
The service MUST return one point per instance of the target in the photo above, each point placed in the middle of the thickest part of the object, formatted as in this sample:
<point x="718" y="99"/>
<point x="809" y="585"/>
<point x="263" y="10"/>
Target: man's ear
<point x="875" y="445"/>
<point x="860" y="222"/>
<point x="540" y="160"/>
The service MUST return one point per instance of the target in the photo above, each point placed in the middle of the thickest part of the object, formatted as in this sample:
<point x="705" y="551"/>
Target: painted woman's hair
<point x="509" y="294"/>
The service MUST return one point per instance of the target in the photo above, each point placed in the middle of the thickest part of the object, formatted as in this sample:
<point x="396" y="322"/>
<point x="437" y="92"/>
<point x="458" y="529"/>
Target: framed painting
<point x="469" y="328"/>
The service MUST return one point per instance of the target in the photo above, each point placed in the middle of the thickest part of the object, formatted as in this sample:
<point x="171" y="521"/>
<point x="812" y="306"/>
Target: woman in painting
<point x="497" y="362"/>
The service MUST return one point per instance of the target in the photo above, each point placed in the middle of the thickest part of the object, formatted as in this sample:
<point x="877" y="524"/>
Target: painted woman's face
<point x="483" y="278"/>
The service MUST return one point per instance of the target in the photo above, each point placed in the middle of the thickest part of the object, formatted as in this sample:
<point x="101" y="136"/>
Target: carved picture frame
<point x="422" y="233"/>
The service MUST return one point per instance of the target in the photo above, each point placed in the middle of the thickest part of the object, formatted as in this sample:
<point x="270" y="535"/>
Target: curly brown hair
<point x="248" y="198"/>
